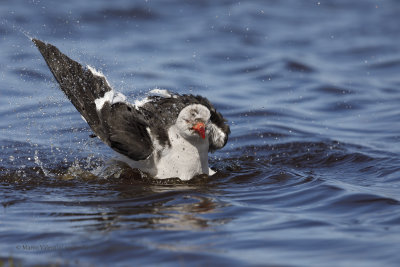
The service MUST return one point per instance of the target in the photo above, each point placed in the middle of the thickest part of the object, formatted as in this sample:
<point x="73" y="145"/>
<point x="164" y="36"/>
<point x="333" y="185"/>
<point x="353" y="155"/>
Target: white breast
<point x="183" y="159"/>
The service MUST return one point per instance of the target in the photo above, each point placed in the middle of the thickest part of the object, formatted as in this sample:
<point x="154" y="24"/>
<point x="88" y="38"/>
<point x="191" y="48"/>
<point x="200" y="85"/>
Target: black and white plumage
<point x="166" y="135"/>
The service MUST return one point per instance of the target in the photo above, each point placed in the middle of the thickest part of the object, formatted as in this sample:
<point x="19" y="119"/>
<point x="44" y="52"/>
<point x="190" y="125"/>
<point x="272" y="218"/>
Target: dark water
<point x="311" y="173"/>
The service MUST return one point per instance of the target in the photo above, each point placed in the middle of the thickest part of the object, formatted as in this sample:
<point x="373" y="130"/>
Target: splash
<point x="39" y="163"/>
<point x="17" y="28"/>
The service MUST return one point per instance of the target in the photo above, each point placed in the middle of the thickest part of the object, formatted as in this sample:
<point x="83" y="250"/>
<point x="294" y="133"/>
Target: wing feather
<point x="119" y="125"/>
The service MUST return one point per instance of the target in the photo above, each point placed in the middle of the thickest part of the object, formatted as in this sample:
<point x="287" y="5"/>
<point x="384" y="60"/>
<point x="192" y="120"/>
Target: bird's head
<point x="192" y="121"/>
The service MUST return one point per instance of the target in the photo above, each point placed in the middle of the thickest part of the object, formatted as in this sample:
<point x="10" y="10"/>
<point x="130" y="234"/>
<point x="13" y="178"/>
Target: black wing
<point x="78" y="83"/>
<point x="119" y="125"/>
<point x="125" y="130"/>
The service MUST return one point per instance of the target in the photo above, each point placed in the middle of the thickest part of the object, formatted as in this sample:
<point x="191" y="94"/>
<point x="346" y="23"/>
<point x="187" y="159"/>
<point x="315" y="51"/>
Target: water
<point x="309" y="177"/>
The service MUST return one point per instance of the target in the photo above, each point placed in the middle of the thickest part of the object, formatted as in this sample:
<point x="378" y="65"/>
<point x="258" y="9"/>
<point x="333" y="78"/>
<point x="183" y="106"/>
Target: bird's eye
<point x="193" y="112"/>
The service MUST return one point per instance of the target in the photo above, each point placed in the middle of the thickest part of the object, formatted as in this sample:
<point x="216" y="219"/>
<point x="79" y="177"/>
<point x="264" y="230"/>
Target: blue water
<point x="309" y="177"/>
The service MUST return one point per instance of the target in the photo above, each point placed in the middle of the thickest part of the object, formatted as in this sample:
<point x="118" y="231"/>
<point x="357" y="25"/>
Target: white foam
<point x="140" y="102"/>
<point x="112" y="97"/>
<point x="97" y="73"/>
<point x="108" y="97"/>
<point x="118" y="97"/>
<point x="160" y="92"/>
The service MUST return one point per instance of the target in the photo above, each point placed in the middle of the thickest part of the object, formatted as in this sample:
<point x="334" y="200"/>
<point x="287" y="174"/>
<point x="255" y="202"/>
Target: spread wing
<point x="118" y="124"/>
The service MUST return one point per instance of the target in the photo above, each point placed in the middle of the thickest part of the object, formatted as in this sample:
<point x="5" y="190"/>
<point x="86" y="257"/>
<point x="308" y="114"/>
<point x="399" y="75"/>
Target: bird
<point x="164" y="134"/>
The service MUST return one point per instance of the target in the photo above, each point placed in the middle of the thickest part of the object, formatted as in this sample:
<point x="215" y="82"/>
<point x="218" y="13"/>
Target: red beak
<point x="201" y="129"/>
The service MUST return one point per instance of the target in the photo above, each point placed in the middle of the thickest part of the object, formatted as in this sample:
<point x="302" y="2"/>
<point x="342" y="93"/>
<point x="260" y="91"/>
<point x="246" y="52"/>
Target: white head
<point x="192" y="122"/>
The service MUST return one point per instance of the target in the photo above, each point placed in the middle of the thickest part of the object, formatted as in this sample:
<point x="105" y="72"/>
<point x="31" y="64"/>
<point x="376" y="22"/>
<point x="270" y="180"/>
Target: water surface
<point x="309" y="177"/>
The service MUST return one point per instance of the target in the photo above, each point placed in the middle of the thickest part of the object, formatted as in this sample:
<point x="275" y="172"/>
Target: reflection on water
<point x="162" y="213"/>
<point x="309" y="177"/>
<point x="137" y="200"/>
